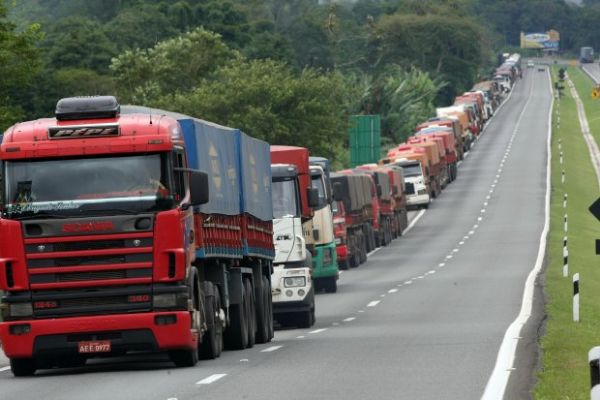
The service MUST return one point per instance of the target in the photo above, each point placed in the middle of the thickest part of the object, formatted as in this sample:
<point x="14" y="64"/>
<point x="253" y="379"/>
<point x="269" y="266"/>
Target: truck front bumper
<point x="127" y="332"/>
<point x="280" y="306"/>
<point x="417" y="199"/>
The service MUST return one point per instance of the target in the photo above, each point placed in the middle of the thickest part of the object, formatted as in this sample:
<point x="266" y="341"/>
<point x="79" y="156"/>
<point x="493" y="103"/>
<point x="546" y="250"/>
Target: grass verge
<point x="564" y="372"/>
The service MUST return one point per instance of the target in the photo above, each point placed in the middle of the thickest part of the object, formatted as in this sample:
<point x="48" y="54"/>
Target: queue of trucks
<point x="130" y="229"/>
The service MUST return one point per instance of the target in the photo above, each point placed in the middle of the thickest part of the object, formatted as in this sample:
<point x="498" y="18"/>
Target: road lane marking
<point x="449" y="256"/>
<point x="349" y="319"/>
<point x="455" y="250"/>
<point x="373" y="303"/>
<point x="382" y="295"/>
<point x="4" y="369"/>
<point x="270" y="349"/>
<point x="408" y="282"/>
<point x="300" y="337"/>
<point x="210" y="379"/>
<point x="392" y="290"/>
<point x="413" y="222"/>
<point x="432" y="272"/>
<point x="318" y="330"/>
<point x="374" y="251"/>
<point x="461" y="243"/>
<point x="441" y="265"/>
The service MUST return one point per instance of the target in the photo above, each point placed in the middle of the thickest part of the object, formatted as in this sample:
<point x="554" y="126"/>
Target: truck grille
<point x="64" y="262"/>
<point x="410" y="188"/>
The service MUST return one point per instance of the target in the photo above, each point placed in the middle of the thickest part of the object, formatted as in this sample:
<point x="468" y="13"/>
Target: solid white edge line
<point x="318" y="331"/>
<point x="413" y="222"/>
<point x="270" y="349"/>
<point x="374" y="251"/>
<point x="210" y="379"/>
<point x="3" y="369"/>
<point x="498" y="380"/>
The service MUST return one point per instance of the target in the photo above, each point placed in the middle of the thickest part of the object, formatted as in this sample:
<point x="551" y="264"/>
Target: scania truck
<point x="127" y="233"/>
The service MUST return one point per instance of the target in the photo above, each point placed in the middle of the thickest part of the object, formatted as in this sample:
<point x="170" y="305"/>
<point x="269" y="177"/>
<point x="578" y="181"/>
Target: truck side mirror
<point x="379" y="191"/>
<point x="198" y="187"/>
<point x="337" y="191"/>
<point x="313" y="197"/>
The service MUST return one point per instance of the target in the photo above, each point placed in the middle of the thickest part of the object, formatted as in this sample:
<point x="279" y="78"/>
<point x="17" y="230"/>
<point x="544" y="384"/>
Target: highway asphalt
<point x="424" y="318"/>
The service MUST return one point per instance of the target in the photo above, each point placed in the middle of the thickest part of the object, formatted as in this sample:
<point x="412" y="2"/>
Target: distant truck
<point x="294" y="200"/>
<point x="126" y="233"/>
<point x="586" y="55"/>
<point x="325" y="266"/>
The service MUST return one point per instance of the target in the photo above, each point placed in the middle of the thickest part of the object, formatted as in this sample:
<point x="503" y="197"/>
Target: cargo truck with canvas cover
<point x="396" y="175"/>
<point x="325" y="266"/>
<point x="293" y="202"/>
<point x="453" y="124"/>
<point x="112" y="241"/>
<point x="354" y="191"/>
<point x="463" y="117"/>
<point x="385" y="203"/>
<point x="414" y="164"/>
<point x="434" y="166"/>
<point x="449" y="145"/>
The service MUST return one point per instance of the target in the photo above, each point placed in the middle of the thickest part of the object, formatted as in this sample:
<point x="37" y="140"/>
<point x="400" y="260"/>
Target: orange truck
<point x="415" y="168"/>
<point x="453" y="124"/>
<point x="449" y="156"/>
<point x="463" y="118"/>
<point x="435" y="165"/>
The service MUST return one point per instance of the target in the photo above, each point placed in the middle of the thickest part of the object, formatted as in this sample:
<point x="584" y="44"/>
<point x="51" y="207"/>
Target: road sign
<point x="595" y="209"/>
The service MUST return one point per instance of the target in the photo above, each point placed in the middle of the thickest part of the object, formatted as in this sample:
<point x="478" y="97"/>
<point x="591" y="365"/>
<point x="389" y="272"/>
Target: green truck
<point x="325" y="268"/>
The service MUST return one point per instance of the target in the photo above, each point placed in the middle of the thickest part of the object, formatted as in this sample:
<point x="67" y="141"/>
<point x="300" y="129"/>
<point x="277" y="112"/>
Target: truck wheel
<point x="236" y="337"/>
<point x="251" y="313"/>
<point x="184" y="358"/>
<point x="306" y="319"/>
<point x="343" y="264"/>
<point x="212" y="339"/>
<point x="22" y="366"/>
<point x="263" y="314"/>
<point x="363" y="253"/>
<point x="330" y="285"/>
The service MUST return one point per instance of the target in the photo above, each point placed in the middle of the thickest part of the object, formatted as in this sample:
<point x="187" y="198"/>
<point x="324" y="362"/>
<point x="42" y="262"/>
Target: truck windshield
<point x="285" y="198"/>
<point x="317" y="183"/>
<point x="411" y="170"/>
<point x="86" y="186"/>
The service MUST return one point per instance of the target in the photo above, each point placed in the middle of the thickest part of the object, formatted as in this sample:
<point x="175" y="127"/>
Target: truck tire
<point x="212" y="339"/>
<point x="22" y="366"/>
<point x="306" y="319"/>
<point x="236" y="337"/>
<point x="343" y="264"/>
<point x="264" y="316"/>
<point x="330" y="285"/>
<point x="189" y="357"/>
<point x="363" y="252"/>
<point x="251" y="313"/>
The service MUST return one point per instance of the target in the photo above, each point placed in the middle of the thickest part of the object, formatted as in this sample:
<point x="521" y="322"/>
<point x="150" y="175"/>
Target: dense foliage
<point x="289" y="71"/>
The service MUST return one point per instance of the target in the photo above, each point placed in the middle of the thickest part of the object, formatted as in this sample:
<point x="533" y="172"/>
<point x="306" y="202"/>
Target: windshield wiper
<point x="111" y="211"/>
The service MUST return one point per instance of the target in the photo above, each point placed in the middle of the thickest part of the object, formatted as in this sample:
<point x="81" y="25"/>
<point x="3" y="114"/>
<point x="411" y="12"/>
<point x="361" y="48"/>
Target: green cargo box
<point x="365" y="139"/>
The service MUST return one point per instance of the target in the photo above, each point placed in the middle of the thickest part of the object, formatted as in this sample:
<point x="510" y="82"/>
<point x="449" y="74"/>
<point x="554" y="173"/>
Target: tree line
<point x="287" y="71"/>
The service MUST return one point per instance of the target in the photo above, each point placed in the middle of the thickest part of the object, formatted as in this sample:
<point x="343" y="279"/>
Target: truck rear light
<point x="138" y="298"/>
<point x="19" y="329"/>
<point x="155" y="141"/>
<point x="169" y="319"/>
<point x="20" y="310"/>
<point x="45" y="304"/>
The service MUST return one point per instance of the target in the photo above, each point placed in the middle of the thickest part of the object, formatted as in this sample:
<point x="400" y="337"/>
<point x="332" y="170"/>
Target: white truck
<point x="291" y="281"/>
<point x="417" y="193"/>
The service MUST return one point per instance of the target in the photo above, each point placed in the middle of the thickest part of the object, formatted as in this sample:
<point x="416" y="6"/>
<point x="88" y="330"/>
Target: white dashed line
<point x="318" y="330"/>
<point x="349" y="319"/>
<point x="475" y="226"/>
<point x="382" y="295"/>
<point x="373" y="303"/>
<point x="210" y="379"/>
<point x="419" y="277"/>
<point x="300" y="337"/>
<point x="471" y="232"/>
<point x="392" y="290"/>
<point x="455" y="250"/>
<point x="449" y="256"/>
<point x="461" y="243"/>
<point x="431" y="272"/>
<point x="335" y="324"/>
<point x="361" y="311"/>
<point x="408" y="282"/>
<point x="270" y="349"/>
<point x="441" y="265"/>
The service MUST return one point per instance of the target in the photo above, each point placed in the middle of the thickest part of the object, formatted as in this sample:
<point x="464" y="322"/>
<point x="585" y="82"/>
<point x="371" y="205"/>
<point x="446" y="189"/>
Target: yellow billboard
<point x="547" y="41"/>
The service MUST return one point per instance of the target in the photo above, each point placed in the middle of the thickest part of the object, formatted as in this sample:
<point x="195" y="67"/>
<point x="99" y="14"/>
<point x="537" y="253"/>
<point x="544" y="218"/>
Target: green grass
<point x="564" y="370"/>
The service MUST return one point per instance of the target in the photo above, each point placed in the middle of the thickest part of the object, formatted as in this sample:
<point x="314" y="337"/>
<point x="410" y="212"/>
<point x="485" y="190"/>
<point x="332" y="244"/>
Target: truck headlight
<point x="296" y="281"/>
<point x="338" y="240"/>
<point x="170" y="300"/>
<point x="20" y="310"/>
